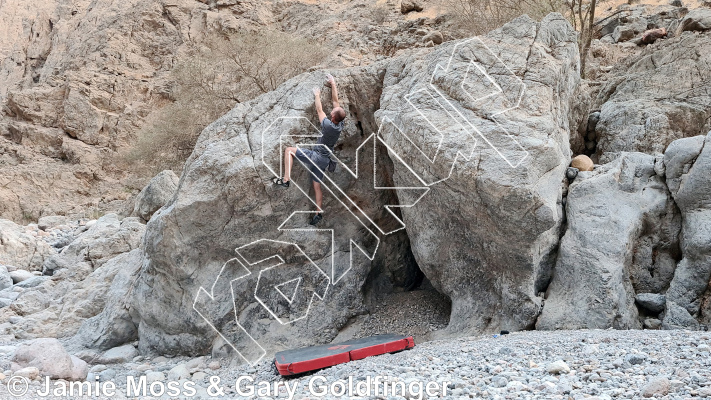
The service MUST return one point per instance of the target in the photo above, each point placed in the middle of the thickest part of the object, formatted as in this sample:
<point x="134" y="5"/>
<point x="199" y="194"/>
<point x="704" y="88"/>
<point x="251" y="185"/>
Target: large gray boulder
<point x="487" y="232"/>
<point x="225" y="200"/>
<point x="688" y="173"/>
<point x="656" y="97"/>
<point x="491" y="256"/>
<point x="611" y="212"/>
<point x="156" y="194"/>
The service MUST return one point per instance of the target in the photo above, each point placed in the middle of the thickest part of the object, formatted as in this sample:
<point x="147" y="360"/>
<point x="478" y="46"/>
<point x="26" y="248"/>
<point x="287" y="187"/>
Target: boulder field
<point x="454" y="161"/>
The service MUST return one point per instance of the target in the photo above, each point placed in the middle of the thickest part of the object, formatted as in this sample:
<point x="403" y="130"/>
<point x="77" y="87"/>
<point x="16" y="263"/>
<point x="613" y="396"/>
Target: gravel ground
<point x="589" y="364"/>
<point x="417" y="313"/>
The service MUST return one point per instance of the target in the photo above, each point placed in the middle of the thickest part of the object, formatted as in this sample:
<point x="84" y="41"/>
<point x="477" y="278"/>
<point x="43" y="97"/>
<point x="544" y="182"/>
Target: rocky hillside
<point x="454" y="177"/>
<point x="79" y="78"/>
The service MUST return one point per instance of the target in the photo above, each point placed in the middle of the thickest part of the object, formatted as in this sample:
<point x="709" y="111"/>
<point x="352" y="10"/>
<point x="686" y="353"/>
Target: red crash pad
<point x="290" y="362"/>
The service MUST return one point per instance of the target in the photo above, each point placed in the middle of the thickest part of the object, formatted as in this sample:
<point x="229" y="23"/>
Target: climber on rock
<point x="317" y="158"/>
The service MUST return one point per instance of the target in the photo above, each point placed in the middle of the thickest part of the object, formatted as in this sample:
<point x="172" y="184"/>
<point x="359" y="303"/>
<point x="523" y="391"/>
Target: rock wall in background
<point x="78" y="79"/>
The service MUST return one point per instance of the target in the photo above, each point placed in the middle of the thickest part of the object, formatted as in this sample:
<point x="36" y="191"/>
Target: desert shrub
<point x="217" y="73"/>
<point x="477" y="17"/>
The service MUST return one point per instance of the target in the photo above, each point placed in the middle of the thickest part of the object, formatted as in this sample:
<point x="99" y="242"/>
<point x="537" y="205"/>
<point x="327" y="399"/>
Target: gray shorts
<point x="316" y="165"/>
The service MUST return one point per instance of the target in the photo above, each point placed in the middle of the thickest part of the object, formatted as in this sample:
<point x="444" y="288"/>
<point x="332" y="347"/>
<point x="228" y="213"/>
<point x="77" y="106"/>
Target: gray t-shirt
<point x="330" y="133"/>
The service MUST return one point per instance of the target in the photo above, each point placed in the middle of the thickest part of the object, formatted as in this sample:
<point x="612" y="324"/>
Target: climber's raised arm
<point x="317" y="103"/>
<point x="334" y="91"/>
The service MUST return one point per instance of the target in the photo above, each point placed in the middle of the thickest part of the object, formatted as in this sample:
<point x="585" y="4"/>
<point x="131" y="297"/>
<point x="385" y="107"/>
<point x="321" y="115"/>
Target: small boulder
<point x="656" y="385"/>
<point x="80" y="369"/>
<point x="499" y="381"/>
<point x="22" y="247"/>
<point x="119" y="355"/>
<point x="652" y="35"/>
<point x="623" y="33"/>
<point x="653" y="302"/>
<point x="30" y="373"/>
<point x="51" y="221"/>
<point x="156" y="194"/>
<point x="434" y="36"/>
<point x="155" y="376"/>
<point x="652" y="323"/>
<point x="582" y="163"/>
<point x="571" y="173"/>
<point x="696" y="20"/>
<point x="20" y="275"/>
<point x="407" y="6"/>
<point x="179" y="372"/>
<point x="198" y="362"/>
<point x="35" y="281"/>
<point x="635" y="358"/>
<point x="50" y="358"/>
<point x="558" y="367"/>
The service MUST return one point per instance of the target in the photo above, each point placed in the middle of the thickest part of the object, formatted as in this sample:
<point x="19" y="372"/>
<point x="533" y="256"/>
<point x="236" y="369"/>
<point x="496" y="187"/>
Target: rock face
<point x="656" y="97"/>
<point x="225" y="200"/>
<point x="611" y="246"/>
<point x="469" y="252"/>
<point x="156" y="194"/>
<point x="688" y="173"/>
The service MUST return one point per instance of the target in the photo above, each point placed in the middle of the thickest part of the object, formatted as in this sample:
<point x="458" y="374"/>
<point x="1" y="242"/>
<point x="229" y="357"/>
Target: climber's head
<point x="337" y="115"/>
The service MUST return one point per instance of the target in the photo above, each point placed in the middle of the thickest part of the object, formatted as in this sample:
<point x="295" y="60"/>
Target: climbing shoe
<point x="280" y="182"/>
<point x="316" y="219"/>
